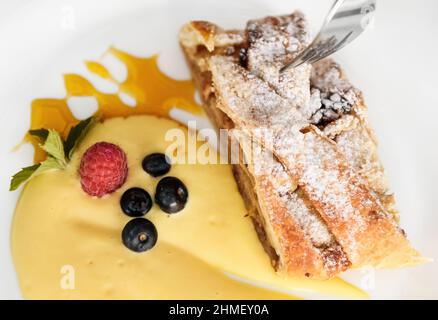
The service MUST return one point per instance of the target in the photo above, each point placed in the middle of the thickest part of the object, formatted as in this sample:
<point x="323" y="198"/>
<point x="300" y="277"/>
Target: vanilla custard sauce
<point x="59" y="231"/>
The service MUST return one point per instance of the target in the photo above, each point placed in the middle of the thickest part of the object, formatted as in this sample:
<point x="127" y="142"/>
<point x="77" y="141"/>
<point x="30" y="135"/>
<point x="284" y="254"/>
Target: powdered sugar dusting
<point x="255" y="103"/>
<point x="309" y="220"/>
<point x="287" y="195"/>
<point x="306" y="218"/>
<point x="274" y="41"/>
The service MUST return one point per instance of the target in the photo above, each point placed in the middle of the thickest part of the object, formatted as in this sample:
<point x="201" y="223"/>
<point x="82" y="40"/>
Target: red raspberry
<point x="103" y="169"/>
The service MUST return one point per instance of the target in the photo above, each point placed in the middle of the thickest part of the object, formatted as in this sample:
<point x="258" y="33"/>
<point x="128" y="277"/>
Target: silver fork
<point x="346" y="20"/>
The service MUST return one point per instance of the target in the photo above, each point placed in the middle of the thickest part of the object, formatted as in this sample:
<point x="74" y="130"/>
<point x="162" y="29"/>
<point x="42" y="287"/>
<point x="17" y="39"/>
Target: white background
<point x="395" y="64"/>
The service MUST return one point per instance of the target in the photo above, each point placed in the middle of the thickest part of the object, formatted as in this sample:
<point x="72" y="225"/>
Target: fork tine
<point x="344" y="23"/>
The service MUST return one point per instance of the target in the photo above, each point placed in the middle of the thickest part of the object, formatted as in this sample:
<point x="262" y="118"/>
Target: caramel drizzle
<point x="155" y="93"/>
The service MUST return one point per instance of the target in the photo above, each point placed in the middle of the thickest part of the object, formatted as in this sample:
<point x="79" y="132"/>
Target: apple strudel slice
<point x="317" y="192"/>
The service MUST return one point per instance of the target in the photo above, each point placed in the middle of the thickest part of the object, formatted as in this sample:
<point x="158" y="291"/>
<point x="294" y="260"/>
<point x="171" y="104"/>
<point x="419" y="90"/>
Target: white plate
<point x="395" y="64"/>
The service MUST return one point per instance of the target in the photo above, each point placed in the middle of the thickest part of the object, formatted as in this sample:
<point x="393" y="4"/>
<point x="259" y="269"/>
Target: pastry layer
<point x="321" y="205"/>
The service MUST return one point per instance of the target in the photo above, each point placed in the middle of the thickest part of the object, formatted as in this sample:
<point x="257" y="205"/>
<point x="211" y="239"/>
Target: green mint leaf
<point x="58" y="151"/>
<point x="77" y="134"/>
<point x="22" y="176"/>
<point x="54" y="146"/>
<point x="49" y="164"/>
<point x="30" y="172"/>
<point x="40" y="133"/>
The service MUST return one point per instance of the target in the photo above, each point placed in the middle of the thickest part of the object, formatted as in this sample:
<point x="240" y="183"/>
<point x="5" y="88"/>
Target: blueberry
<point x="156" y="164"/>
<point x="136" y="202"/>
<point x="139" y="235"/>
<point x="171" y="195"/>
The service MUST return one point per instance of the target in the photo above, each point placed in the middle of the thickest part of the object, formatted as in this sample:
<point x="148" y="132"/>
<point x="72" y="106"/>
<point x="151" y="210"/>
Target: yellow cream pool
<point x="67" y="245"/>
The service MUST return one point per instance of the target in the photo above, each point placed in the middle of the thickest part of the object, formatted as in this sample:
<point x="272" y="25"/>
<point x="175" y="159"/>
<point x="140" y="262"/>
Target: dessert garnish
<point x="103" y="169"/>
<point x="156" y="164"/>
<point x="57" y="151"/>
<point x="136" y="202"/>
<point x="139" y="235"/>
<point x="171" y="195"/>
